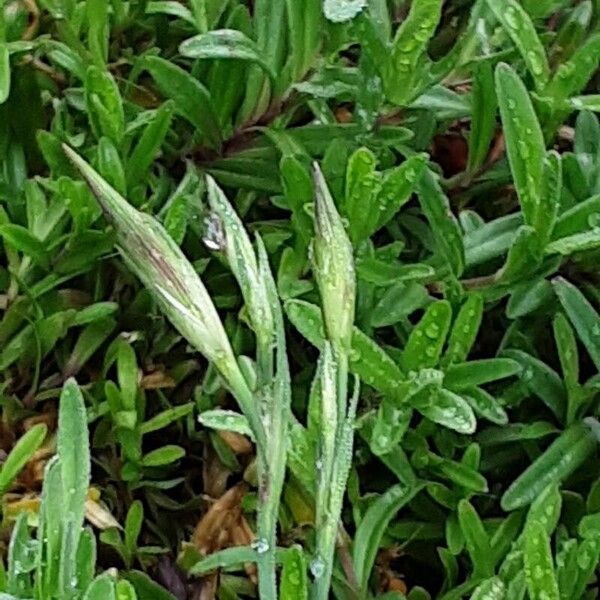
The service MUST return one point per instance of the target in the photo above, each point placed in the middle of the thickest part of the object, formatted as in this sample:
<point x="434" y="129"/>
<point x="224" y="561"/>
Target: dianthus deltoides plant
<point x="299" y="299"/>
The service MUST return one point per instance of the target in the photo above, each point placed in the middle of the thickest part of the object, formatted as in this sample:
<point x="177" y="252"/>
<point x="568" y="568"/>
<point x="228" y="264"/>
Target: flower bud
<point x="333" y="265"/>
<point x="242" y="261"/>
<point x="157" y="260"/>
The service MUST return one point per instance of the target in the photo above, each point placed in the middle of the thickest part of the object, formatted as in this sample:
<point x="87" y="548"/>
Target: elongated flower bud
<point x="333" y="266"/>
<point x="242" y="260"/>
<point x="162" y="267"/>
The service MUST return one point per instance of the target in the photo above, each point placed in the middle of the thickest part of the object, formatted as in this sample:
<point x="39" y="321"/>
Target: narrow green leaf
<point x="524" y="256"/>
<point x="4" y="72"/>
<point x="22" y="240"/>
<point x="477" y="540"/>
<point x="372" y="527"/>
<point x="225" y="43"/>
<point x="485" y="405"/>
<point x="104" y="105"/>
<point x="572" y="75"/>
<point x="98" y="30"/>
<point x="294" y="580"/>
<point x="145" y="151"/>
<point x="550" y="197"/>
<point x="578" y="219"/>
<point x="382" y="273"/>
<point x="133" y="526"/>
<point x="580" y="242"/>
<point x="127" y="374"/>
<point x="477" y="372"/>
<point x="110" y="165"/>
<point x="192" y="100"/>
<point x="75" y="464"/>
<point x="166" y="417"/>
<point x="521" y="30"/>
<point x="146" y="588"/>
<point x="483" y="120"/>
<point x="546" y="508"/>
<point x="397" y="185"/>
<point x="20" y="454"/>
<point x="102" y="588"/>
<point x="582" y="315"/>
<point x="491" y="589"/>
<point x="558" y="461"/>
<point x="163" y="456"/>
<point x="449" y="410"/>
<point x="524" y="140"/>
<point x="174" y="9"/>
<point x="445" y="227"/>
<point x="539" y="568"/>
<point x="408" y="48"/>
<point x="426" y="340"/>
<point x="230" y="558"/>
<point x="225" y="420"/>
<point x="464" y="329"/>
<point x="541" y="380"/>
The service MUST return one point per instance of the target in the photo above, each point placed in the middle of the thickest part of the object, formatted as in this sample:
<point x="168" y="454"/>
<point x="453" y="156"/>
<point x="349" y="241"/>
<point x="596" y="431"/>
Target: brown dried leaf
<point x="157" y="380"/>
<point x="238" y="443"/>
<point x="213" y="532"/>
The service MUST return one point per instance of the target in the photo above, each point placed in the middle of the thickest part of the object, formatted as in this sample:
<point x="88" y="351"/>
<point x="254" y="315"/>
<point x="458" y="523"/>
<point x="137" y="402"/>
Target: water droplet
<point x="594" y="220"/>
<point x="432" y="331"/>
<point x="523" y="149"/>
<point x="535" y="62"/>
<point x="214" y="235"/>
<point x="383" y="441"/>
<point x="512" y="18"/>
<point x="317" y="567"/>
<point x="260" y="545"/>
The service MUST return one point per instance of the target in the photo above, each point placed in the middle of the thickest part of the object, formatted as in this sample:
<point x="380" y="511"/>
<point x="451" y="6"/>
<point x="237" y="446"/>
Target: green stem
<point x="271" y="459"/>
<point x="267" y="533"/>
<point x="335" y="486"/>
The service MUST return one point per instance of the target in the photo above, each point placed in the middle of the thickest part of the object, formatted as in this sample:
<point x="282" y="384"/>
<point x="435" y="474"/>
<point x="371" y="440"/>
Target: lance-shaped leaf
<point x="4" y="72"/>
<point x="521" y="30"/>
<point x="443" y="223"/>
<point x="18" y="457"/>
<point x="410" y="43"/>
<point x="74" y="460"/>
<point x="550" y="198"/>
<point x="558" y="461"/>
<point x="334" y="266"/>
<point x="192" y="100"/>
<point x="583" y="316"/>
<point x="225" y="43"/>
<point x="524" y="140"/>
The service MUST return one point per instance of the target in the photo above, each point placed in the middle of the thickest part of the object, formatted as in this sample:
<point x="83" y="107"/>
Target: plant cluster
<point x="300" y="299"/>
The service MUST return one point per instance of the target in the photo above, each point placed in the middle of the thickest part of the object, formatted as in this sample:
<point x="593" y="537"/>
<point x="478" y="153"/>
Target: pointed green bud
<point x="242" y="261"/>
<point x="164" y="270"/>
<point x="333" y="265"/>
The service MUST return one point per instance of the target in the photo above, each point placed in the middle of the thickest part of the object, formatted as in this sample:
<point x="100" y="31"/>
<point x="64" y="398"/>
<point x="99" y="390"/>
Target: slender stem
<point x="271" y="468"/>
<point x="335" y="486"/>
<point x="267" y="537"/>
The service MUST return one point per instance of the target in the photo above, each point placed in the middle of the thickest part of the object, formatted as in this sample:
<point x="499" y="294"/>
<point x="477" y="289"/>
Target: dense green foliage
<point x="299" y="299"/>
